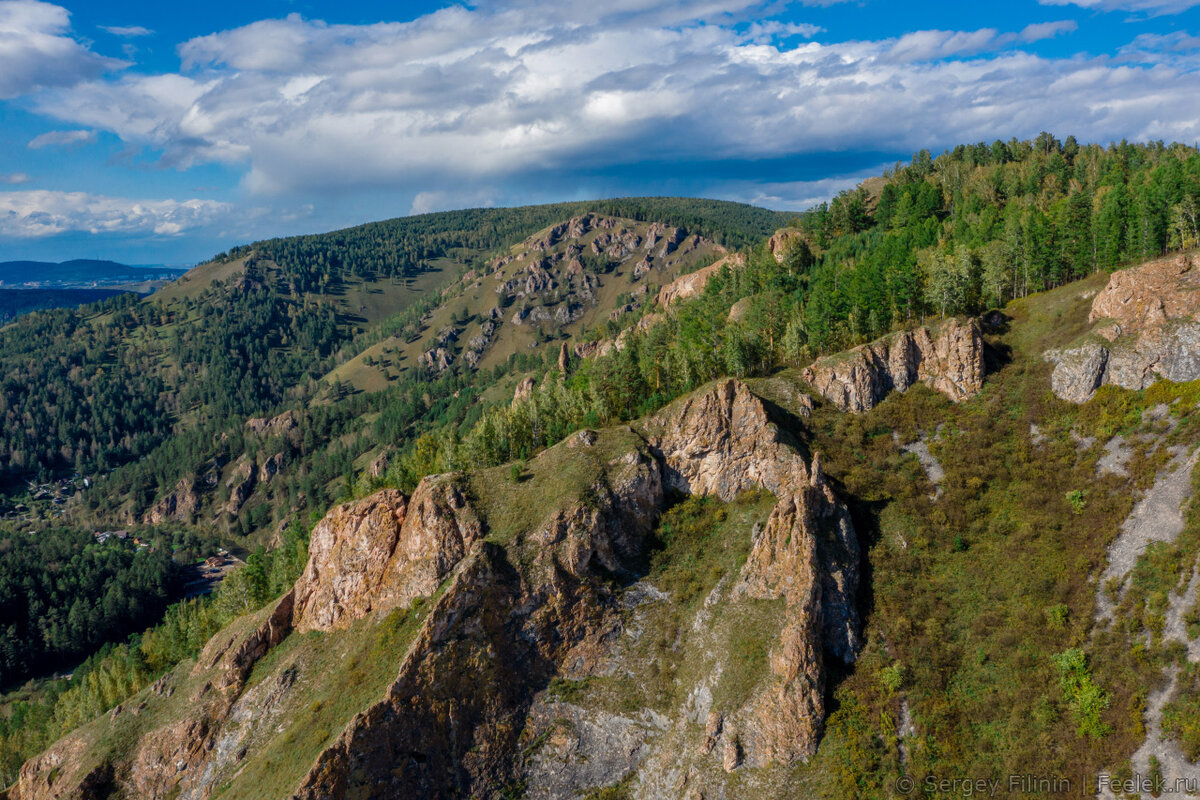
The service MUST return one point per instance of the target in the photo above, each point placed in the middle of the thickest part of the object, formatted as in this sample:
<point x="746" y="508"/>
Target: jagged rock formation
<point x="272" y="467"/>
<point x="181" y="504"/>
<point x="570" y="272"/>
<point x="948" y="358"/>
<point x="509" y="606"/>
<point x="285" y="422"/>
<point x="382" y="552"/>
<point x="1147" y="327"/>
<point x="693" y="283"/>
<point x="241" y="484"/>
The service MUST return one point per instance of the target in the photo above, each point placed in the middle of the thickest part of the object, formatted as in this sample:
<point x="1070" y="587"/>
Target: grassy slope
<point x="395" y="355"/>
<point x="972" y="595"/>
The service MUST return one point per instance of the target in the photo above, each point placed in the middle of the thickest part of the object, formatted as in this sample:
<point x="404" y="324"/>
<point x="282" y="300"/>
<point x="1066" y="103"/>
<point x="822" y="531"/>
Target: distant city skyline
<point x="155" y="134"/>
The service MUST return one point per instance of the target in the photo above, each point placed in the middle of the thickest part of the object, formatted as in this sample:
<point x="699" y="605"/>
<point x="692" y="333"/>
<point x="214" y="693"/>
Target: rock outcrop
<point x="722" y="442"/>
<point x="382" y="552"/>
<point x="948" y="359"/>
<point x="504" y="614"/>
<point x="782" y="241"/>
<point x="692" y="284"/>
<point x="241" y="484"/>
<point x="180" y="505"/>
<point x="1147" y="327"/>
<point x="283" y="423"/>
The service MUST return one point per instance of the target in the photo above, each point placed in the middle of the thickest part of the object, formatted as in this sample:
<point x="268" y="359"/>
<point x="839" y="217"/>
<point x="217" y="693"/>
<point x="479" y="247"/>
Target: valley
<point x="649" y="498"/>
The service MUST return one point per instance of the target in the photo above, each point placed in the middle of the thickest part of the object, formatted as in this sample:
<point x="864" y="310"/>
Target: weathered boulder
<point x="1078" y="371"/>
<point x="948" y="359"/>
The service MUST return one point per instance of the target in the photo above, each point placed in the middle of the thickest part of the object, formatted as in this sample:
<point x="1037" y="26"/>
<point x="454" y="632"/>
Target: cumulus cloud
<point x="127" y="31"/>
<point x="36" y="51"/>
<point x="14" y="178"/>
<point x="35" y="214"/>
<point x="470" y="96"/>
<point x="61" y="139"/>
<point x="1149" y="7"/>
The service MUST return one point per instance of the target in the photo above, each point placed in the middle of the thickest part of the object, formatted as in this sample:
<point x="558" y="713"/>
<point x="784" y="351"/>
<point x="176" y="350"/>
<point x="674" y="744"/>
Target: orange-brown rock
<point x="524" y="389"/>
<point x="692" y="284"/>
<point x="1148" y="295"/>
<point x="723" y="442"/>
<point x="782" y="241"/>
<point x="948" y="358"/>
<point x="382" y="552"/>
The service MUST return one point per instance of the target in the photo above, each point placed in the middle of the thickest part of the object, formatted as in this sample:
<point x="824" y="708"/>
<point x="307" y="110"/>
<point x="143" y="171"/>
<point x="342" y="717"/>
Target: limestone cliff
<point x="948" y="358"/>
<point x="1147" y="327"/>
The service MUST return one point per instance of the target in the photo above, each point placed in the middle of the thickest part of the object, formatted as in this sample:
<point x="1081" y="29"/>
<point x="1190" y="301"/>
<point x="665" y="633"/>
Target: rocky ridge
<point x="506" y="615"/>
<point x="948" y="359"/>
<point x="555" y="278"/>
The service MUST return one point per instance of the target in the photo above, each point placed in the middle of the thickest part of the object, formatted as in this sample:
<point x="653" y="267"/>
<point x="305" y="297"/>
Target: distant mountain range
<point x="80" y="273"/>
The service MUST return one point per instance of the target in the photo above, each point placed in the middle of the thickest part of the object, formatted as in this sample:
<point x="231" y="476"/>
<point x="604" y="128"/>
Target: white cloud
<point x="15" y="178"/>
<point x="61" y="139"/>
<point x="438" y="200"/>
<point x="470" y="96"/>
<point x="798" y="195"/>
<point x="35" y="214"/>
<point x="1149" y="7"/>
<point x="1178" y="49"/>
<point x="127" y="32"/>
<point x="1047" y="30"/>
<point x="36" y="52"/>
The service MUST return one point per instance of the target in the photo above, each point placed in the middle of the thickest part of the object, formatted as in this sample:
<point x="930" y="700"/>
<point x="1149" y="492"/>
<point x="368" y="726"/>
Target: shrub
<point x="891" y="678"/>
<point x="1085" y="699"/>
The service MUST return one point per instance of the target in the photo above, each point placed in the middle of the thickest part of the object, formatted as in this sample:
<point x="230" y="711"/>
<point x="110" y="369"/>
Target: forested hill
<point x="984" y="223"/>
<point x="92" y="388"/>
<point x="406" y="245"/>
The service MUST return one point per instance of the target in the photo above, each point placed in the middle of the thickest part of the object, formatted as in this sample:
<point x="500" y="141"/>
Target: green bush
<point x="1086" y="700"/>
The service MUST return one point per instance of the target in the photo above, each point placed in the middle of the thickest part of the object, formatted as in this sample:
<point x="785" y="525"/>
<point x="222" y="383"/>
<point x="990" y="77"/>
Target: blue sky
<point x="164" y="133"/>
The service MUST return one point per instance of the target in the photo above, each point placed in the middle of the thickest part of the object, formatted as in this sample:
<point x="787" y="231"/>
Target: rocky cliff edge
<point x="513" y="600"/>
